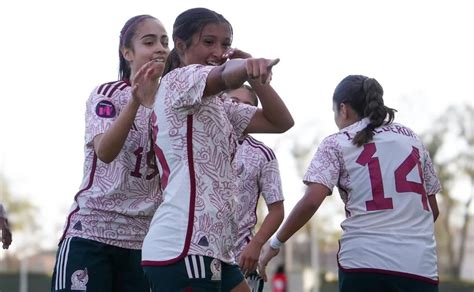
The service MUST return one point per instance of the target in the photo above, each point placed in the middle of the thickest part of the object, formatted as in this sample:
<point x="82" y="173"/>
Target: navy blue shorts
<point x="87" y="265"/>
<point x="195" y="273"/>
<point x="376" y="282"/>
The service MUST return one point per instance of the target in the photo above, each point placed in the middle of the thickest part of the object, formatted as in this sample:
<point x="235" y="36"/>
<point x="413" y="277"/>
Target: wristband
<point x="275" y="243"/>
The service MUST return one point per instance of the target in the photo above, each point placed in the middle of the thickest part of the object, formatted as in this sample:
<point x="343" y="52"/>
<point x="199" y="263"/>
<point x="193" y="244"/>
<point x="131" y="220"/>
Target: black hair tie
<point x="371" y="127"/>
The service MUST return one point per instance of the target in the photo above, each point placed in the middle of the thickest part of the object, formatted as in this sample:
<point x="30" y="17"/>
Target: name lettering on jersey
<point x="389" y="128"/>
<point x="105" y="109"/>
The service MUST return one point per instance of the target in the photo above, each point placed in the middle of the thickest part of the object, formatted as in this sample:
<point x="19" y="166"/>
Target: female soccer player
<point x="387" y="182"/>
<point x="192" y="235"/>
<point x="101" y="246"/>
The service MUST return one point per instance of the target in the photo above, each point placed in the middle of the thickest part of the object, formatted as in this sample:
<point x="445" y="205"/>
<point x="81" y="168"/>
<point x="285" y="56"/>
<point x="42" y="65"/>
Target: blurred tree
<point x="453" y="131"/>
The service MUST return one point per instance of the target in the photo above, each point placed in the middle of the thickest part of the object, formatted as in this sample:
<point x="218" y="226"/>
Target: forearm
<point x="110" y="143"/>
<point x="299" y="216"/>
<point x="234" y="73"/>
<point x="273" y="108"/>
<point x="434" y="206"/>
<point x="270" y="224"/>
<point x="304" y="210"/>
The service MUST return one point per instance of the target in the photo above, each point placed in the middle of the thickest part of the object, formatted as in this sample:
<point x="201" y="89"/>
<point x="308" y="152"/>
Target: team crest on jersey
<point x="105" y="109"/>
<point x="216" y="269"/>
<point x="79" y="280"/>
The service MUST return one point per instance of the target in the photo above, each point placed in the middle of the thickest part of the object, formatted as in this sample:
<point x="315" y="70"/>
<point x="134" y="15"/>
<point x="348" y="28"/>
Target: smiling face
<point x="150" y="42"/>
<point x="207" y="46"/>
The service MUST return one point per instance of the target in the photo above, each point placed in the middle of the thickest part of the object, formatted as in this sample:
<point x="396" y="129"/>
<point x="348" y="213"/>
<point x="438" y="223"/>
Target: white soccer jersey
<point x="116" y="201"/>
<point x="196" y="140"/>
<point x="257" y="167"/>
<point x="384" y="185"/>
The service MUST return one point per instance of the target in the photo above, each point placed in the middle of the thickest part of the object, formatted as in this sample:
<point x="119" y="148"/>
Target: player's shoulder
<point x="108" y="89"/>
<point x="336" y="138"/>
<point x="260" y="147"/>
<point x="404" y="127"/>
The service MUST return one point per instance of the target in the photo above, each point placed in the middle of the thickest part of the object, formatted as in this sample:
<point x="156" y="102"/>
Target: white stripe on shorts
<point x="188" y="267"/>
<point x="203" y="270"/>
<point x="193" y="267"/>
<point x="61" y="264"/>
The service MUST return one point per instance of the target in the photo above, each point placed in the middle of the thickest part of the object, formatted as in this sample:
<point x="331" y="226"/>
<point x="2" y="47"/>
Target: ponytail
<point x="375" y="110"/>
<point x="172" y="62"/>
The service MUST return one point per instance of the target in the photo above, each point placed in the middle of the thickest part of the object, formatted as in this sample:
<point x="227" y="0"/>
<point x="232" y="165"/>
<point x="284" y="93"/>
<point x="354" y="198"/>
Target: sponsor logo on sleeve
<point x="105" y="109"/>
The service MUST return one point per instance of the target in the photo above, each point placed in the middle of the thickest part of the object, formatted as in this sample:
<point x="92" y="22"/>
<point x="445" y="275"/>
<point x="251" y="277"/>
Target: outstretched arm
<point x="274" y="116"/>
<point x="299" y="216"/>
<point x="233" y="73"/>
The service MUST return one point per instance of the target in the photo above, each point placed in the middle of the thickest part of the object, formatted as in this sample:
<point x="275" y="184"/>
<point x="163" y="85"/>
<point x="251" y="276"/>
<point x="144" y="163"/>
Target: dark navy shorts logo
<point x="105" y="109"/>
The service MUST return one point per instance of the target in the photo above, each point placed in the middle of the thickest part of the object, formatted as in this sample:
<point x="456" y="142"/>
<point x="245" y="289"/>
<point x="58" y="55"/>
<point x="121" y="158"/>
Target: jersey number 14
<point x="379" y="199"/>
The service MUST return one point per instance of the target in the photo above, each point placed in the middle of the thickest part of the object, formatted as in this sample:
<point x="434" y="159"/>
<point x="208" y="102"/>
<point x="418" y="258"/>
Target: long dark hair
<point x="365" y="96"/>
<point x="126" y="36"/>
<point x="187" y="24"/>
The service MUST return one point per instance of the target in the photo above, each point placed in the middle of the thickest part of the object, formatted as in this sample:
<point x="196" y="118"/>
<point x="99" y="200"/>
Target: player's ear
<point x="127" y="53"/>
<point x="180" y="46"/>
<point x="343" y="110"/>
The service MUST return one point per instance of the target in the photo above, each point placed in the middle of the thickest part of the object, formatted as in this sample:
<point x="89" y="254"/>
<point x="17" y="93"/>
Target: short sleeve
<point x="326" y="164"/>
<point x="101" y="112"/>
<point x="185" y="86"/>
<point x="239" y="115"/>
<point x="270" y="182"/>
<point x="432" y="183"/>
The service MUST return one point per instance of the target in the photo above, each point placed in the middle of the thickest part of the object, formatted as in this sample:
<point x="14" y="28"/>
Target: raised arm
<point x="274" y="117"/>
<point x="109" y="144"/>
<point x="144" y="86"/>
<point x="233" y="73"/>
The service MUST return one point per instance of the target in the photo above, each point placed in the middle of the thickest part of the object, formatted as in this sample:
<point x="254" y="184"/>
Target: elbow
<point x="286" y="125"/>
<point x="278" y="212"/>
<point x="105" y="157"/>
<point x="289" y="124"/>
